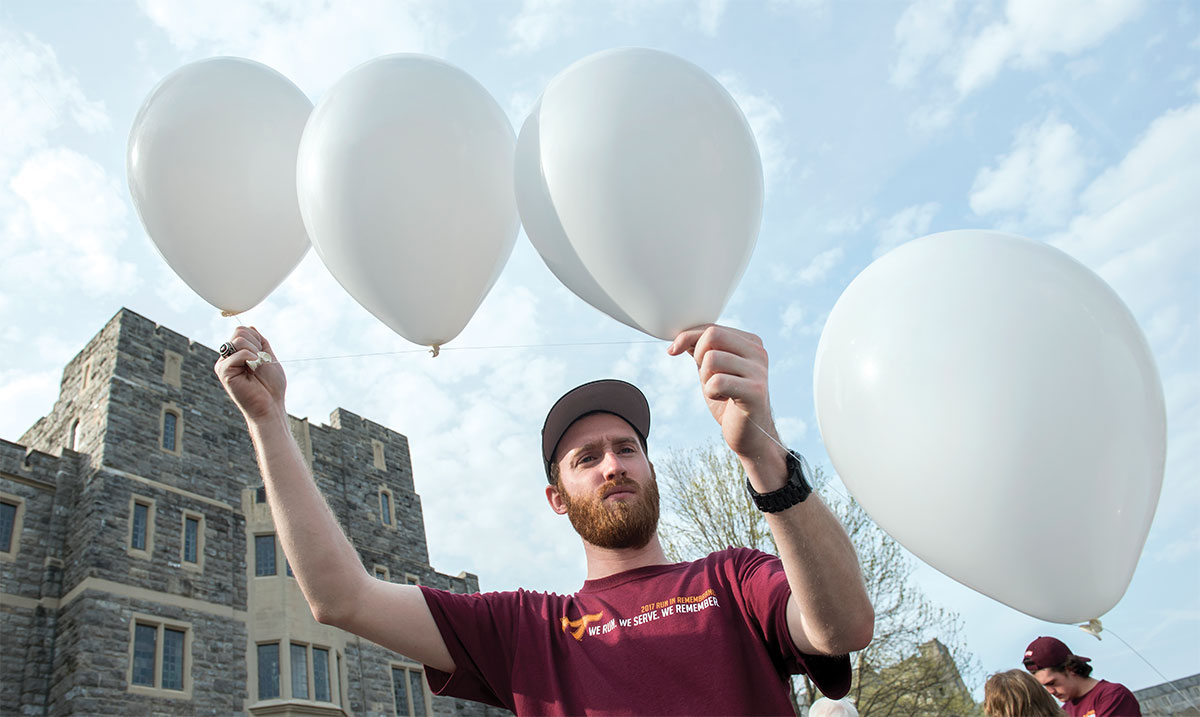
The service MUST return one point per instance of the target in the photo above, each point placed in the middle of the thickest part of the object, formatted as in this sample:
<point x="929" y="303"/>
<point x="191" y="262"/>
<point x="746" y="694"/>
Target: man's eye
<point x="585" y="459"/>
<point x="628" y="449"/>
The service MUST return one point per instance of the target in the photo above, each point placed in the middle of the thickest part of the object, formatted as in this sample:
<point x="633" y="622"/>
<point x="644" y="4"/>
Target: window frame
<point x="198" y="564"/>
<point x="275" y="553"/>
<point x="14" y="540"/>
<point x="174" y="410"/>
<point x="377" y="569"/>
<point x="278" y="670"/>
<point x="387" y="514"/>
<point x="409" y="668"/>
<point x="161" y="625"/>
<point x="147" y="552"/>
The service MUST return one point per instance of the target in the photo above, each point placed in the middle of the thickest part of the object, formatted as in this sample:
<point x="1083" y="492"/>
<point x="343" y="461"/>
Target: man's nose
<point x="612" y="466"/>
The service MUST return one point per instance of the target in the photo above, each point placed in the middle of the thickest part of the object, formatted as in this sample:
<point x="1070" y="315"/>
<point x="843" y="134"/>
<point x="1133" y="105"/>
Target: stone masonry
<point x="142" y="427"/>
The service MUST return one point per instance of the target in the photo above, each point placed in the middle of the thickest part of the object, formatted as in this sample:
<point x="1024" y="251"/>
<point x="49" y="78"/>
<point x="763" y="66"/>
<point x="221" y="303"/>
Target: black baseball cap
<point x="611" y="395"/>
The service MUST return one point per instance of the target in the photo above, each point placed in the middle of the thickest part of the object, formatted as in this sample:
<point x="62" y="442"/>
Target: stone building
<point x="139" y="568"/>
<point x="1178" y="698"/>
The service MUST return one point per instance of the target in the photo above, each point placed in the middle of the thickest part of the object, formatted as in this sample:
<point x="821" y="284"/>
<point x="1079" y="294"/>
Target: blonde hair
<point x="1015" y="693"/>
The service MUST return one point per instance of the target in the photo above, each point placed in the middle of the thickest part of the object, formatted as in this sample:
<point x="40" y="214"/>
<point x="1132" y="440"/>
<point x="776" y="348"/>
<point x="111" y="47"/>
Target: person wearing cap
<point x="720" y="635"/>
<point x="1068" y="677"/>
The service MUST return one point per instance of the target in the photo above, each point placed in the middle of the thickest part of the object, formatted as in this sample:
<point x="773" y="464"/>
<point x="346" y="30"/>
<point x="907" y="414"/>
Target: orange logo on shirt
<point x="580" y="625"/>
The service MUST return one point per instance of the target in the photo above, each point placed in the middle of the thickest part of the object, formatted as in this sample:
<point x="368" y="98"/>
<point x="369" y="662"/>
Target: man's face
<point x="606" y="483"/>
<point x="1058" y="683"/>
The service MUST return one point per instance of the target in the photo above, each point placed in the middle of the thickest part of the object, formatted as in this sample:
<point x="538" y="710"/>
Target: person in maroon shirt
<point x="642" y="636"/>
<point x="1068" y="677"/>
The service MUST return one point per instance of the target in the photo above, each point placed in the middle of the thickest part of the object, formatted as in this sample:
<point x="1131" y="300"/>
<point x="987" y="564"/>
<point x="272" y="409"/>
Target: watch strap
<point x="794" y="491"/>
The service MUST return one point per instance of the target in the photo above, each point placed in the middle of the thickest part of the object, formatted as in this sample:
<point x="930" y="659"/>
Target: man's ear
<point x="554" y="498"/>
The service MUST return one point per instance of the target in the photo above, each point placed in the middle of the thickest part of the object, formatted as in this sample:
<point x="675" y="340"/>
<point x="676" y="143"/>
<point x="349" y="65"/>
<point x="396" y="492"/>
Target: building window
<point x="320" y="668"/>
<point x="377" y="456"/>
<point x="75" y="442"/>
<point x="141" y="526"/>
<point x="299" y="671"/>
<point x="159" y="655"/>
<point x="260" y="494"/>
<point x="408" y="689"/>
<point x="264" y="555"/>
<point x="387" y="513"/>
<point x="193" y="540"/>
<point x="382" y="573"/>
<point x="8" y="524"/>
<point x="171" y="430"/>
<point x="268" y="671"/>
<point x="87" y="374"/>
<point x="411" y="579"/>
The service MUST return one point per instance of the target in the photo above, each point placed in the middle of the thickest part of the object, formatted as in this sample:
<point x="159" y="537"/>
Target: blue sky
<point x="1075" y="123"/>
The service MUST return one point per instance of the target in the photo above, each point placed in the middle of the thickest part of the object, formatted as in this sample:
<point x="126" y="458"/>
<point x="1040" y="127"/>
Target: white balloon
<point x="656" y="183"/>
<point x="211" y="165"/>
<point x="993" y="405"/>
<point x="544" y="229"/>
<point x="406" y="187"/>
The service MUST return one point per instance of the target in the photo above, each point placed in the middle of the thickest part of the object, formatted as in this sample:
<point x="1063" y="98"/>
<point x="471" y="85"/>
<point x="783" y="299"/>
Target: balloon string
<point x="1161" y="675"/>
<point x="443" y="349"/>
<point x="762" y="430"/>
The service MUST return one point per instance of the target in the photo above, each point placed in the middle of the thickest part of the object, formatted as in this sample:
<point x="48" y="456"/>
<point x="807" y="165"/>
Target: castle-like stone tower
<point x="139" y="568"/>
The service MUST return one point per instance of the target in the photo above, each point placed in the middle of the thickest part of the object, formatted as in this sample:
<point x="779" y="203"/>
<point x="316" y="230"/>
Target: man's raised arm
<point x="829" y="612"/>
<point x="337" y="587"/>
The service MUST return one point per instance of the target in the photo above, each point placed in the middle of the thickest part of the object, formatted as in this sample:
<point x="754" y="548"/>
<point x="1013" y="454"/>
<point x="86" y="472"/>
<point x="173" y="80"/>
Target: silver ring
<point x="226" y="350"/>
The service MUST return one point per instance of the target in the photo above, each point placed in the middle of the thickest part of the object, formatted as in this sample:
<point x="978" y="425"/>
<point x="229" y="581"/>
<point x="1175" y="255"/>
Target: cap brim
<point x="609" y="396"/>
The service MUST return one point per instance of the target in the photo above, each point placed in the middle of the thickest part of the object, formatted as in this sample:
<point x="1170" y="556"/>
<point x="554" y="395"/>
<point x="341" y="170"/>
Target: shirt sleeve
<point x="766" y="592"/>
<point x="478" y="631"/>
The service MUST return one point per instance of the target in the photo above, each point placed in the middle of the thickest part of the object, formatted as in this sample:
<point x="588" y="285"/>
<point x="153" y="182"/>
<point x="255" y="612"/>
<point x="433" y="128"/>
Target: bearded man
<point x="720" y="635"/>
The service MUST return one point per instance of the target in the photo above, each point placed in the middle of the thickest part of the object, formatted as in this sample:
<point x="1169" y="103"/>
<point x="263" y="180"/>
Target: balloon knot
<point x="228" y="314"/>
<point x="1092" y="627"/>
<point x="435" y="350"/>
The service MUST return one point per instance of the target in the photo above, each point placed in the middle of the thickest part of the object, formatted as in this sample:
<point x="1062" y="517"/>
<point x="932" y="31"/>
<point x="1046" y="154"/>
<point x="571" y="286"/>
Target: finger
<point x="722" y="362"/>
<point x="266" y="345"/>
<point x="686" y="340"/>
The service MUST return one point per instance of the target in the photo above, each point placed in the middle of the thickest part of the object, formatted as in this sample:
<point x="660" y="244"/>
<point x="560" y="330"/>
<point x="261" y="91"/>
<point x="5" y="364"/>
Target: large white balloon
<point x="405" y="178"/>
<point x="211" y="165"/>
<point x="642" y="188"/>
<point x="544" y="229"/>
<point x="993" y="405"/>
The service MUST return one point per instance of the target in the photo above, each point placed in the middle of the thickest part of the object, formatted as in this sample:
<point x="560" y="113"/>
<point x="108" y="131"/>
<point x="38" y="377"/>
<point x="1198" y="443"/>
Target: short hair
<point x="1015" y="693"/>
<point x="825" y="707"/>
<point x="1076" y="665"/>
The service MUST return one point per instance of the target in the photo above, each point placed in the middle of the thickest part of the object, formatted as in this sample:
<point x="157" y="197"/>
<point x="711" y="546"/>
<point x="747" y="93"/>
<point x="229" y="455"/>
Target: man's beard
<point x="620" y="524"/>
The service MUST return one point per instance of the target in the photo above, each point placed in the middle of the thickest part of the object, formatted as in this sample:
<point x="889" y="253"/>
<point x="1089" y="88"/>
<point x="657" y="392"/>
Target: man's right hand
<point x="257" y="392"/>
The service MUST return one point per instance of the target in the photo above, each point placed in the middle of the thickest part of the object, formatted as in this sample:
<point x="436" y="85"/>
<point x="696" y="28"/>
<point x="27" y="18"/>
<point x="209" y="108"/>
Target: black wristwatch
<point x="795" y="491"/>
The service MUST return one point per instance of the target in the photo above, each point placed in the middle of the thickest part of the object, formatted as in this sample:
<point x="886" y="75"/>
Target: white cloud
<point x="39" y="97"/>
<point x="68" y="226"/>
<point x="819" y="267"/>
<point x="540" y="23"/>
<point x="283" y="35"/>
<point x="1033" y="31"/>
<point x="709" y="14"/>
<point x="905" y="225"/>
<point x="1038" y="178"/>
<point x="925" y="31"/>
<point x="766" y="121"/>
<point x="26" y="394"/>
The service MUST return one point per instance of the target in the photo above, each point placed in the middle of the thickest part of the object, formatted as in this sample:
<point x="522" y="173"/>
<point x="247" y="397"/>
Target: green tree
<point x="917" y="662"/>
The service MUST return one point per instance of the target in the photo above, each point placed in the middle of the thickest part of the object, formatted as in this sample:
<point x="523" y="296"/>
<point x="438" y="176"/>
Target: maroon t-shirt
<point x="707" y="637"/>
<point x="1106" y="698"/>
